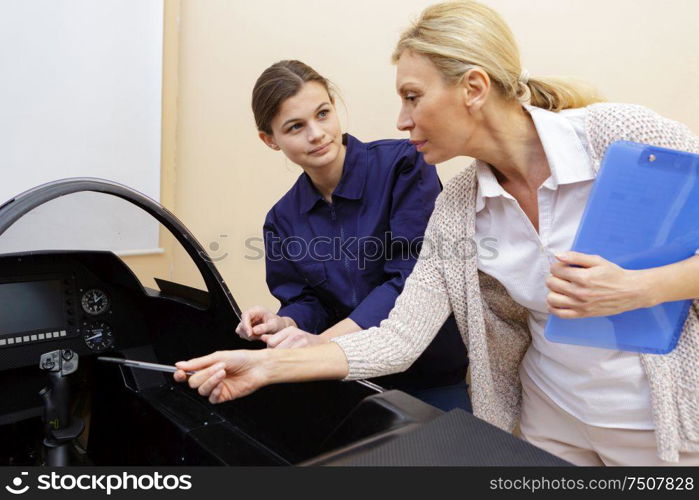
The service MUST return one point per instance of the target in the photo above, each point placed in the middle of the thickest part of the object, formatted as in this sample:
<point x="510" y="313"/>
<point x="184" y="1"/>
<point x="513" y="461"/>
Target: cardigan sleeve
<point x="419" y="312"/>
<point x="607" y="123"/>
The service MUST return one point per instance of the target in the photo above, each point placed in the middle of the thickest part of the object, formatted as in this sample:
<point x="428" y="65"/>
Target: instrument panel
<point x="86" y="301"/>
<point x="43" y="308"/>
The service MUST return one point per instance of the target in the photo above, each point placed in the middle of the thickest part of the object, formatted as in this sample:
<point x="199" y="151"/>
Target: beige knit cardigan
<point x="446" y="280"/>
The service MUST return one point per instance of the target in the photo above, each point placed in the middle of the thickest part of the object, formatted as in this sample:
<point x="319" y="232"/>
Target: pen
<point x="143" y="365"/>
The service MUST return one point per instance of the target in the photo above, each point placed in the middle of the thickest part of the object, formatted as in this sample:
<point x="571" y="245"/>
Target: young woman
<point x="342" y="241"/>
<point x="463" y="88"/>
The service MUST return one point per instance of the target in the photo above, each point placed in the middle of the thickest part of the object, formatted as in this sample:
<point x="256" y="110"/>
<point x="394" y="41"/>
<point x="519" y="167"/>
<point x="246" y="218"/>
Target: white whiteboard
<point x="80" y="96"/>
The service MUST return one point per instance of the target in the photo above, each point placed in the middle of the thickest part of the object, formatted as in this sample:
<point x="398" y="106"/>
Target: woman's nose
<point x="315" y="132"/>
<point x="405" y="121"/>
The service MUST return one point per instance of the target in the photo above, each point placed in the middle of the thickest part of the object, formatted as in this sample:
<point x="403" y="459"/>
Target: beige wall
<point x="147" y="267"/>
<point x="220" y="180"/>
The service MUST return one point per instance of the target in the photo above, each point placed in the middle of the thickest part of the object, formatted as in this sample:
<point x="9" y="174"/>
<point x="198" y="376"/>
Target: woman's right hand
<point x="224" y="375"/>
<point x="258" y="321"/>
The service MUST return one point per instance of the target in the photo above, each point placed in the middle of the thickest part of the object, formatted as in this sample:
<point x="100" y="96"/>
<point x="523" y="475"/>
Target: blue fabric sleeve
<point x="416" y="187"/>
<point x="298" y="300"/>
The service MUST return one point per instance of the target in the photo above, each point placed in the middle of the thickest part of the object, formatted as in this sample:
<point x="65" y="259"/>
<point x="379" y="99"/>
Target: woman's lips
<point x="320" y="149"/>
<point x="418" y="144"/>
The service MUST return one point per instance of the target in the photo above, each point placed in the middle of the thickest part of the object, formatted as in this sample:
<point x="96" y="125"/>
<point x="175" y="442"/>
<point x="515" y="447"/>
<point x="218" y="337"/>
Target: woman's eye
<point x="294" y="127"/>
<point x="323" y="114"/>
<point x="410" y="97"/>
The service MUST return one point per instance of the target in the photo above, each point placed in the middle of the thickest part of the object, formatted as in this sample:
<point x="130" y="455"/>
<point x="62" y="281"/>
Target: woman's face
<point x="433" y="111"/>
<point x="307" y="128"/>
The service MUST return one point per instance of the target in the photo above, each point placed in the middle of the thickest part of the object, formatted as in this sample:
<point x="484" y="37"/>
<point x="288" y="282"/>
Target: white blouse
<point x="600" y="387"/>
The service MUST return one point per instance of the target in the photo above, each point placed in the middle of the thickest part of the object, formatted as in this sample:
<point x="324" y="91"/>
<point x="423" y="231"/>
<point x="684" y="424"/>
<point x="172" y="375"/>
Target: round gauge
<point x="95" y="302"/>
<point x="98" y="336"/>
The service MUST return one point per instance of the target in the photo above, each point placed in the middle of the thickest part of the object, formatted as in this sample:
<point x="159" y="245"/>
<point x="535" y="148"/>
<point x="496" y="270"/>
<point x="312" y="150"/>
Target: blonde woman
<point x="463" y="89"/>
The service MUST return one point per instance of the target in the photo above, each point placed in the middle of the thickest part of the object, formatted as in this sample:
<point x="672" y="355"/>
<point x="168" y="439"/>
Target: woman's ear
<point x="476" y="87"/>
<point x="269" y="140"/>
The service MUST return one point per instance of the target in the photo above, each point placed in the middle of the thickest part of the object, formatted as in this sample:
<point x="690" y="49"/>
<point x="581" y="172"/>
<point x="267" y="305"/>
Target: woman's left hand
<point x="596" y="287"/>
<point x="290" y="338"/>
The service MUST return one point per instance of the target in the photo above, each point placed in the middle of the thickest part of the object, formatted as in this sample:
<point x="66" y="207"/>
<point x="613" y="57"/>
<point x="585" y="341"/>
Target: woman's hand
<point x="292" y="337"/>
<point x="224" y="375"/>
<point x="596" y="287"/>
<point x="258" y="321"/>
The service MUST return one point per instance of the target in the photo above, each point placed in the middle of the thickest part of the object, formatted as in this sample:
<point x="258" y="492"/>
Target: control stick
<point x="60" y="428"/>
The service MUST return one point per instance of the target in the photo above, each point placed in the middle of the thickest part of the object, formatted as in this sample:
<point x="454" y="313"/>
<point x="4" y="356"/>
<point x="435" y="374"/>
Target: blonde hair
<point x="458" y="36"/>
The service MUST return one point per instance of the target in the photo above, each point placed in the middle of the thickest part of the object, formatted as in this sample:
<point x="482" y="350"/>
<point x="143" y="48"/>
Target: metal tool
<point x="143" y="365"/>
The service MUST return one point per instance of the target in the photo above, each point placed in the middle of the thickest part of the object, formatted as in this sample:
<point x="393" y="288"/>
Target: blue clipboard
<point x="643" y="212"/>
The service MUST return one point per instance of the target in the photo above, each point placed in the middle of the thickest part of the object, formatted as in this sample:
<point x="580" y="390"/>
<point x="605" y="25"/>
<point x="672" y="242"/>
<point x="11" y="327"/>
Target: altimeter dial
<point x="98" y="336"/>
